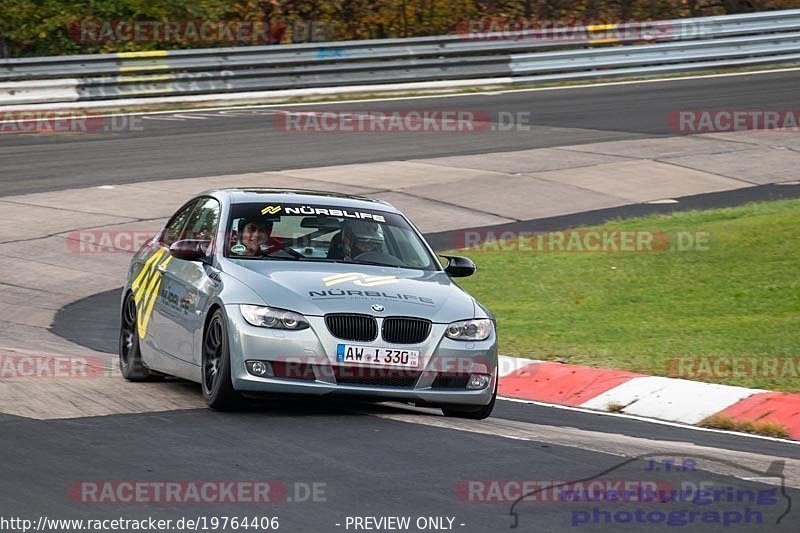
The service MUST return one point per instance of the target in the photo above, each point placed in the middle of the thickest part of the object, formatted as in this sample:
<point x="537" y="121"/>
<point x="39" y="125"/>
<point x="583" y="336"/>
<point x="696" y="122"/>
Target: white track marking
<point x="679" y="400"/>
<point x="147" y="117"/>
<point x="507" y="364"/>
<point x="608" y="443"/>
<point x="648" y="420"/>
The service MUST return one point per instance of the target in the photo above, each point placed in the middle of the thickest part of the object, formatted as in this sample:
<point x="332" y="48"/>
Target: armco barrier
<point x="640" y="49"/>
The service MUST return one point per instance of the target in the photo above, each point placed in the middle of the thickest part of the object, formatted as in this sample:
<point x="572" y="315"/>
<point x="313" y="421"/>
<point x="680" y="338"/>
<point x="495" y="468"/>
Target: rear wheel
<point x="130" y="355"/>
<point x="217" y="385"/>
<point x="475" y="413"/>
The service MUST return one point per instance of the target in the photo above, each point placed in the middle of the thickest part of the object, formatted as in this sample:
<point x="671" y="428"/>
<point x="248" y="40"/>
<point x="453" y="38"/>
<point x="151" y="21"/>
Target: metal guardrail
<point x="601" y="51"/>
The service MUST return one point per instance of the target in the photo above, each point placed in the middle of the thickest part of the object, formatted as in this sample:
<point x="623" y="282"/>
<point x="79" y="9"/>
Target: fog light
<point x="261" y="369"/>
<point x="478" y="381"/>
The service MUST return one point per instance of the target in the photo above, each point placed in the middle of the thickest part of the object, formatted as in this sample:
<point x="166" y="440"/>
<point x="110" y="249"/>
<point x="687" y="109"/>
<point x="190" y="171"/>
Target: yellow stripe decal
<point x="145" y="271"/>
<point x="145" y="289"/>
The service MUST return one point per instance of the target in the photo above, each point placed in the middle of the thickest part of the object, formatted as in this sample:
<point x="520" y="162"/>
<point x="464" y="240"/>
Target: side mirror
<point x="189" y="249"/>
<point x="459" y="267"/>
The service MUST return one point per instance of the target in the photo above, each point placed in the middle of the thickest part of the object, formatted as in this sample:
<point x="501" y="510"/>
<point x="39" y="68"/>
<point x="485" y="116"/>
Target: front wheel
<point x="217" y="385"/>
<point x="474" y="413"/>
<point x="130" y="354"/>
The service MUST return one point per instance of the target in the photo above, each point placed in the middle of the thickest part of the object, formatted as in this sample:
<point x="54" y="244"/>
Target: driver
<point x="254" y="238"/>
<point x="360" y="237"/>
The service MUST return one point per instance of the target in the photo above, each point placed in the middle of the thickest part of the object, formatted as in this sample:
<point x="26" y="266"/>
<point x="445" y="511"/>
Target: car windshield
<point x="299" y="232"/>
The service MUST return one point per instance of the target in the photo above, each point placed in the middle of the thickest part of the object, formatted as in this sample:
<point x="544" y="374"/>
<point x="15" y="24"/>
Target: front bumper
<point x="440" y="357"/>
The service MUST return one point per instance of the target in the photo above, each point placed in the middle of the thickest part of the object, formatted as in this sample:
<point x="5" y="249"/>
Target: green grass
<point x="769" y="429"/>
<point x="635" y="311"/>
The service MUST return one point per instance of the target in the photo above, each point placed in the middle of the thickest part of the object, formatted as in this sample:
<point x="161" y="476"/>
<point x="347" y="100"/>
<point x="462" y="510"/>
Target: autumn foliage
<point x="48" y="27"/>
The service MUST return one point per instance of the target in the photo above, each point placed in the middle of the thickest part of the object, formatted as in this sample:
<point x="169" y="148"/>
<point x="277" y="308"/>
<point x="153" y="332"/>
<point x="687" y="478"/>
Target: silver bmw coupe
<point x="270" y="291"/>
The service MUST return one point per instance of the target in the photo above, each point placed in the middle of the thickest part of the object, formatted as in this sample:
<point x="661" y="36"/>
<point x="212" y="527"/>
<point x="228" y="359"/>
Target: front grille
<point x="375" y="377"/>
<point x="447" y="380"/>
<point x="352" y="327"/>
<point x="402" y="330"/>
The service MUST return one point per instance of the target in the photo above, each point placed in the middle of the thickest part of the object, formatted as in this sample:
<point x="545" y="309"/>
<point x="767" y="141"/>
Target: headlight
<point x="470" y="330"/>
<point x="267" y="317"/>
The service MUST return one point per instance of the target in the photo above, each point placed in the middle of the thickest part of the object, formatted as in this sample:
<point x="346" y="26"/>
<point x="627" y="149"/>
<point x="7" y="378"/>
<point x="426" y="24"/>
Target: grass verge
<point x="768" y="429"/>
<point x="738" y="295"/>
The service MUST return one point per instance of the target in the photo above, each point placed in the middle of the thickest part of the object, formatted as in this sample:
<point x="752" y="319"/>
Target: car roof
<point x="300" y="196"/>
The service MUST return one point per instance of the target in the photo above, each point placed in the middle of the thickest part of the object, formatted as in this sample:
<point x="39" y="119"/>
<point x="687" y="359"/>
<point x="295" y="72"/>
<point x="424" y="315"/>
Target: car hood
<point x="317" y="289"/>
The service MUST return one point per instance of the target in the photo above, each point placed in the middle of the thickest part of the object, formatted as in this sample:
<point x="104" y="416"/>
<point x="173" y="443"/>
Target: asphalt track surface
<point x="369" y="462"/>
<point x="366" y="466"/>
<point x="218" y="144"/>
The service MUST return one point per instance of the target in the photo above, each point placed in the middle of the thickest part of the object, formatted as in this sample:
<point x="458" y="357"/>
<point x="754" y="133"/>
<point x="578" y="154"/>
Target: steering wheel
<point x="378" y="257"/>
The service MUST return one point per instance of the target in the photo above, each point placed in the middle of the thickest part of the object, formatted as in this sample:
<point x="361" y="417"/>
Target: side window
<point x="175" y="226"/>
<point x="202" y="224"/>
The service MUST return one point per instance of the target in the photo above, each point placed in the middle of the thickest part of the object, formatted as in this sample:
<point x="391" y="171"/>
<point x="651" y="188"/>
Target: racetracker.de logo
<point x="177" y="31"/>
<point x="51" y="367"/>
<point x="728" y="366"/>
<point x="303" y="367"/>
<point x="54" y="122"/>
<point x="581" y="241"/>
<point x="107" y="241"/>
<point x="386" y="121"/>
<point x="593" y="31"/>
<point x="179" y="492"/>
<point x="552" y="491"/>
<point x="686" y="121"/>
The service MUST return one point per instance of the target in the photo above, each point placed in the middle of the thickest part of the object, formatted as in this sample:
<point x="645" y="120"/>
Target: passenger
<point x="253" y="240"/>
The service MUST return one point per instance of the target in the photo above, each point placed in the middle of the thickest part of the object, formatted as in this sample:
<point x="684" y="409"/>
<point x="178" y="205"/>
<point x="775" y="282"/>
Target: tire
<point x="130" y="355"/>
<point x="216" y="381"/>
<point x="473" y="413"/>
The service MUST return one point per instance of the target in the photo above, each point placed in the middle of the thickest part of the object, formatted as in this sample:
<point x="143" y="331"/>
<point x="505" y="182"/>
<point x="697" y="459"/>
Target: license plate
<point x="376" y="356"/>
